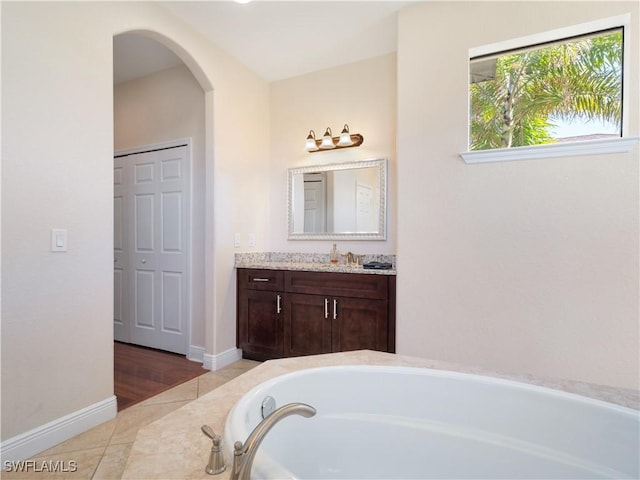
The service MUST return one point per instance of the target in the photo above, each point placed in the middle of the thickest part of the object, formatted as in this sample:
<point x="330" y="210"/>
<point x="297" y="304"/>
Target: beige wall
<point x="528" y="266"/>
<point x="166" y="106"/>
<point x="361" y="94"/>
<point x="57" y="157"/>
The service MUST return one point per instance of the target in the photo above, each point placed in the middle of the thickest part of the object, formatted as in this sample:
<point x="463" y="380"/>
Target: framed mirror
<point x="345" y="201"/>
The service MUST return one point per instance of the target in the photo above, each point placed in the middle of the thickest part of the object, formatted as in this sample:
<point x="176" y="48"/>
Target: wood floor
<point x="141" y="373"/>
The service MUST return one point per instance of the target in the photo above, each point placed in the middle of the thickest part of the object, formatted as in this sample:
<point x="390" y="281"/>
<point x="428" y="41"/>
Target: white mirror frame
<point x="381" y="234"/>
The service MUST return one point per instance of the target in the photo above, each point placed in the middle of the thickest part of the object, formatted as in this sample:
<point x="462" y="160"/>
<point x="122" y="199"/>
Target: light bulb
<point x="345" y="137"/>
<point x="311" y="145"/>
<point x="327" y="140"/>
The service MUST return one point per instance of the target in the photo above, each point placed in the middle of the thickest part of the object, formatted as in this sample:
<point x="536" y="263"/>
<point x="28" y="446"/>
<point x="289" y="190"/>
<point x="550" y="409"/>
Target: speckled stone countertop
<point x="310" y="262"/>
<point x="173" y="447"/>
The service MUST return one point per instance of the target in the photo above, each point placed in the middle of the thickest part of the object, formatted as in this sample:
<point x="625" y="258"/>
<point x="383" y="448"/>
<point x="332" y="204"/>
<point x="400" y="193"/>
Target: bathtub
<point x="384" y="422"/>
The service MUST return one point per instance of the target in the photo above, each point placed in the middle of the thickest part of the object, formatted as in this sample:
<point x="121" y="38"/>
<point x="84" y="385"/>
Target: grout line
<point x="95" y="470"/>
<point x="113" y="432"/>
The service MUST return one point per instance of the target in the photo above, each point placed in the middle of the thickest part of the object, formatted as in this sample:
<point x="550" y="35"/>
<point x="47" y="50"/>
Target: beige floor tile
<point x="212" y="380"/>
<point x="132" y="419"/>
<point x="242" y="365"/>
<point x="207" y="383"/>
<point x="113" y="462"/>
<point x="185" y="391"/>
<point x="96" y="437"/>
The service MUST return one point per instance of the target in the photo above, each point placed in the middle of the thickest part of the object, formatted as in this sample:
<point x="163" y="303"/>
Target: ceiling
<point x="276" y="40"/>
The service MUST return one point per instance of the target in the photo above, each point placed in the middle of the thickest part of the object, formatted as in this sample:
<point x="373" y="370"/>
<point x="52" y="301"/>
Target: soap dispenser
<point x="334" y="255"/>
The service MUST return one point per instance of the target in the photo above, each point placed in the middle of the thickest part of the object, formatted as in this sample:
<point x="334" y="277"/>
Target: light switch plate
<point x="59" y="239"/>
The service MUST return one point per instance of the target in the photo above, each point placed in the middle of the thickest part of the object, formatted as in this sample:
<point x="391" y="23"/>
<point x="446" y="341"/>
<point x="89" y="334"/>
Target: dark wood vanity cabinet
<point x="314" y="312"/>
<point x="259" y="313"/>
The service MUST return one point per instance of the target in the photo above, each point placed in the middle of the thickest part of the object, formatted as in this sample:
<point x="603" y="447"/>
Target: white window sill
<point x="555" y="150"/>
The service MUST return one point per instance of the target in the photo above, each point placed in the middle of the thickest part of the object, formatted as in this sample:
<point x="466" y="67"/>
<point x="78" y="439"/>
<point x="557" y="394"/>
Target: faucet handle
<point x="208" y="431"/>
<point x="238" y="454"/>
<point x="238" y="449"/>
<point x="216" y="457"/>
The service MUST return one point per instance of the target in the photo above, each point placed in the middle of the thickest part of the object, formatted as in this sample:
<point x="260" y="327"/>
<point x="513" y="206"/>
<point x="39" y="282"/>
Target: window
<point x="547" y="91"/>
<point x="566" y="91"/>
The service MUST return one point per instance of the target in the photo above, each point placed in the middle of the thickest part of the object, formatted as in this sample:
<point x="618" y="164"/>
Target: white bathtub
<point x="380" y="422"/>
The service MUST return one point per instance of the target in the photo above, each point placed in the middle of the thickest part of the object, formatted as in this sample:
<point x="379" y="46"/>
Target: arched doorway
<point x="148" y="121"/>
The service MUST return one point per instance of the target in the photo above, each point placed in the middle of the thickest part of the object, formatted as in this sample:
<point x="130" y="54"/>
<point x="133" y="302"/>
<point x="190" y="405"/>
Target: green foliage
<point x="580" y="79"/>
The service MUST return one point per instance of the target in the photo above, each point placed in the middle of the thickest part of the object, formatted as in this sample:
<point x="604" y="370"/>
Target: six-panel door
<point x="151" y="226"/>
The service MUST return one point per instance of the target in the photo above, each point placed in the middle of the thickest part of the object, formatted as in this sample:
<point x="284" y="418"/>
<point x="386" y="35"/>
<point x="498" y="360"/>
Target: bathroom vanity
<point x="285" y="313"/>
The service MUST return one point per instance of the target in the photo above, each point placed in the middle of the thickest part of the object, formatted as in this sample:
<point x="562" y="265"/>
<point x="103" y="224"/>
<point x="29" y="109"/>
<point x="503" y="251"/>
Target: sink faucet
<point x="243" y="454"/>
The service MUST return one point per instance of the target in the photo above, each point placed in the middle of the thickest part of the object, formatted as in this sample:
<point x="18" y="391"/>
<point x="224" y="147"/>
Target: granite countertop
<point x="310" y="262"/>
<point x="314" y="267"/>
<point x="173" y="447"/>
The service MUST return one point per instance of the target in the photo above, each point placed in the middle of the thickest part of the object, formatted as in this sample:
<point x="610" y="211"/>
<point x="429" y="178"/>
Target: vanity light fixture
<point x="328" y="141"/>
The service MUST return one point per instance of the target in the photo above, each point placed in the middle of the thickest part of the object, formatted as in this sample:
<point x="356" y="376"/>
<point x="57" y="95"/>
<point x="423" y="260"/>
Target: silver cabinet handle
<point x="260" y="280"/>
<point x="335" y="308"/>
<point x="278" y="307"/>
<point x="144" y="260"/>
<point x="326" y="308"/>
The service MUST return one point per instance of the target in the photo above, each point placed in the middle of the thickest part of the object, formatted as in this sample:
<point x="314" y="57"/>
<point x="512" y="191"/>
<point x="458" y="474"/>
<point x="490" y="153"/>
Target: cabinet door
<point x="359" y="324"/>
<point x="307" y="324"/>
<point x="260" y="324"/>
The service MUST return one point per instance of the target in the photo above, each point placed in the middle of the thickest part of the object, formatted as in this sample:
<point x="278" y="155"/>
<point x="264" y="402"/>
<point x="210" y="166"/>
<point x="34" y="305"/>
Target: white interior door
<point x="315" y="214"/>
<point x="120" y="250"/>
<point x="151" y="237"/>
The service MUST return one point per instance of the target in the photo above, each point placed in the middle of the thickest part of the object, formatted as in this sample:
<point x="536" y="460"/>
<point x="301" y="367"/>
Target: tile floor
<point x="102" y="452"/>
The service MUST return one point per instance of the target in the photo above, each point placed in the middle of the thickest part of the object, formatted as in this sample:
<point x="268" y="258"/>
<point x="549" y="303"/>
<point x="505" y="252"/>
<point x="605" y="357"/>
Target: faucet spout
<point x="244" y="454"/>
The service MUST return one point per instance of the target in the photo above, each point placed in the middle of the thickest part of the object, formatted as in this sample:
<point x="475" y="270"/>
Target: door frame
<point x="163" y="146"/>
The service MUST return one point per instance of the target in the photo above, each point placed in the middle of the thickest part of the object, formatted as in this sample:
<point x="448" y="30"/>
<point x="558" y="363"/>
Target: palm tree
<point x="573" y="80"/>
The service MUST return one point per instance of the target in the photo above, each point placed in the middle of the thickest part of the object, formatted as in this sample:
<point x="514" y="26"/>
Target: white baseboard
<point x="195" y="354"/>
<point x="216" y="362"/>
<point x="34" y="441"/>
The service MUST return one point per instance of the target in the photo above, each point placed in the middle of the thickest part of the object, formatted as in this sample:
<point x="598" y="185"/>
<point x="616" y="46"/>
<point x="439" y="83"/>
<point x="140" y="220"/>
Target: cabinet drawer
<point x="337" y="284"/>
<point x="258" y="279"/>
